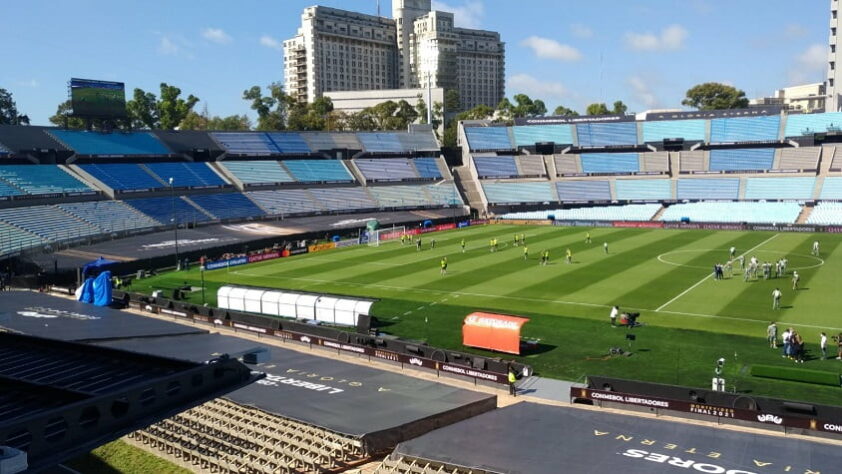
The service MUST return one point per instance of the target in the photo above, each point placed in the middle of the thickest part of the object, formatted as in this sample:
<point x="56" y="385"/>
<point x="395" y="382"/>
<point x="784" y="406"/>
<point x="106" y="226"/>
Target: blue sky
<point x="644" y="52"/>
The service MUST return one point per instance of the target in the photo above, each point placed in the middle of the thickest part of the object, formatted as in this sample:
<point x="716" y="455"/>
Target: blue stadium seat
<point x="825" y="213"/>
<point x="161" y="209"/>
<point x="289" y="142"/>
<point x="48" y="222"/>
<point x="246" y="143"/>
<point x="38" y="179"/>
<point x="318" y="170"/>
<point x="745" y="129"/>
<point x="117" y="143"/>
<point x="123" y="176"/>
<point x="386" y="169"/>
<point x="709" y="189"/>
<point x="581" y="190"/>
<point x="501" y="193"/>
<point x="607" y="134"/>
<point x="418" y="141"/>
<point x="495" y="166"/>
<point x="746" y="159"/>
<point x="755" y="212"/>
<point x="808" y="124"/>
<point x="381" y="142"/>
<point x="444" y="194"/>
<point x="111" y="216"/>
<point x="427" y="168"/>
<point x="488" y="138"/>
<point x="832" y="188"/>
<point x="628" y="212"/>
<point x="285" y="201"/>
<point x="15" y="239"/>
<point x="343" y="199"/>
<point x="186" y="174"/>
<point x="529" y="135"/>
<point x="332" y="140"/>
<point x="610" y="162"/>
<point x="643" y="189"/>
<point x="227" y="205"/>
<point x="400" y="196"/>
<point x="799" y="188"/>
<point x="689" y="130"/>
<point x="258" y="172"/>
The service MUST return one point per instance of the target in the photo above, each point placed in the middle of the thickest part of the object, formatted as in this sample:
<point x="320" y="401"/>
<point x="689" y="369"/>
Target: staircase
<point x="805" y="214"/>
<point x="658" y="214"/>
<point x="470" y="188"/>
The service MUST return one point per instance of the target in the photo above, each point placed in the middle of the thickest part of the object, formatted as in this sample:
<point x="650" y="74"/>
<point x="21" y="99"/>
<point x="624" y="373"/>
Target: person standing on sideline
<point x="614" y="312"/>
<point x="512" y="379"/>
<point x="444" y="265"/>
<point x="786" y="339"/>
<point x="732" y="253"/>
<point x="772" y="335"/>
<point x="588" y="238"/>
<point x="815" y="251"/>
<point x="776" y="299"/>
<point x="605" y="247"/>
<point x="432" y="244"/>
<point x="795" y="279"/>
<point x="823" y="345"/>
<point x="418" y="245"/>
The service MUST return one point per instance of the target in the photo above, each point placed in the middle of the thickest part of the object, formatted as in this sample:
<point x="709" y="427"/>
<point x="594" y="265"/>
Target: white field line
<point x="688" y="290"/>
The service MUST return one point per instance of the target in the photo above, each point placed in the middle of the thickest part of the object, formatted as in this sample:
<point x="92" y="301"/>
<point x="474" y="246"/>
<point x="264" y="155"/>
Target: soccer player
<point x="815" y="251"/>
<point x="545" y="257"/>
<point x="444" y="265"/>
<point x="772" y="335"/>
<point x="418" y="245"/>
<point x="742" y="260"/>
<point x="569" y="256"/>
<point x="795" y="278"/>
<point x="517" y="237"/>
<point x="525" y="252"/>
<point x="733" y="252"/>
<point x="491" y="245"/>
<point x="605" y="247"/>
<point x="729" y="268"/>
<point x="588" y="238"/>
<point x="523" y="239"/>
<point x="463" y="245"/>
<point x="432" y="244"/>
<point x="746" y="274"/>
<point x="776" y="299"/>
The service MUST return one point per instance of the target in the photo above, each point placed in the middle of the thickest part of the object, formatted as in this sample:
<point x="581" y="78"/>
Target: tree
<point x="142" y="110"/>
<point x="195" y="121"/>
<point x="361" y="121"/>
<point x="230" y="123"/>
<point x="714" y="96"/>
<point x="172" y="109"/>
<point x="451" y="101"/>
<point x="564" y="111"/>
<point x="272" y="109"/>
<point x="480" y="112"/>
<point x="597" y="109"/>
<point x="619" y="108"/>
<point x="62" y="117"/>
<point x="9" y="110"/>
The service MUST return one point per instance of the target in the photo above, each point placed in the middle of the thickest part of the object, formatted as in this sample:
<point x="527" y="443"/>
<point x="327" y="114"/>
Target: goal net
<point x="385" y="234"/>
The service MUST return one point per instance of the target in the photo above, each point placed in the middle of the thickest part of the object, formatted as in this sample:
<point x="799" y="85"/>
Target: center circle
<point x="796" y="261"/>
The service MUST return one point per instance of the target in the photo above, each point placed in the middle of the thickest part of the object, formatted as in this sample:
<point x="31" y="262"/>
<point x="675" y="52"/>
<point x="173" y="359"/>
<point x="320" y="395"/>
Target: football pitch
<point x="688" y="318"/>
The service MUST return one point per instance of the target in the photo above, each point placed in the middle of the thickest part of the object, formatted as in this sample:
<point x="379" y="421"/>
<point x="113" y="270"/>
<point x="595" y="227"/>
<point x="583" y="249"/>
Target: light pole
<point x="175" y="225"/>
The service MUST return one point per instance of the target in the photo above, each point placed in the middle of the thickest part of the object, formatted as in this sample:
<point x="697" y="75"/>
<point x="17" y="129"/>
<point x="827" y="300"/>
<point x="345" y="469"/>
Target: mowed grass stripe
<point x="824" y="280"/>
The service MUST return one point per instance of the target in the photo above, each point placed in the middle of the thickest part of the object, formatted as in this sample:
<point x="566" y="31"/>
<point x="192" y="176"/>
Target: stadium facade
<point x="340" y="50"/>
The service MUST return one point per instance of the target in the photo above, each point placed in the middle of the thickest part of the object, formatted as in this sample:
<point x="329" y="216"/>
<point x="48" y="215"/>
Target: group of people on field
<point x="793" y="343"/>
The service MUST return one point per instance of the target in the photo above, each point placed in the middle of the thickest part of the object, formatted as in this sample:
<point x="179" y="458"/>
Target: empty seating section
<point x="400" y="196"/>
<point x="825" y="213"/>
<point x="643" y="189"/>
<point x="689" y="130"/>
<point x="185" y="141"/>
<point x="41" y="179"/>
<point x="531" y="165"/>
<point x="749" y="159"/>
<point x="186" y="174"/>
<point x="502" y="193"/>
<point x="9" y="190"/>
<point x="691" y="161"/>
<point x="808" y="124"/>
<point x="289" y="142"/>
<point x="123" y="176"/>
<point x="227" y="205"/>
<point x="428" y="167"/>
<point x="495" y="166"/>
<point x="340" y="199"/>
<point x="411" y="142"/>
<point x="529" y="135"/>
<point x="161" y="209"/>
<point x="330" y="141"/>
<point x="708" y="189"/>
<point x="13" y="239"/>
<point x="607" y="134"/>
<point x="745" y="129"/>
<point x="780" y="188"/>
<point x="444" y="194"/>
<point x="48" y="222"/>
<point x="117" y="143"/>
<point x="111" y="216"/>
<point x="380" y="142"/>
<point x="659" y="162"/>
<point x="567" y="164"/>
<point x="386" y="169"/>
<point x="285" y="201"/>
<point x="488" y="138"/>
<point x="806" y="158"/>
<point x="245" y="143"/>
<point x="318" y="170"/>
<point x="610" y="163"/>
<point x="15" y="138"/>
<point x="258" y="172"/>
<point x="571" y="190"/>
<point x="756" y="212"/>
<point x="836" y="154"/>
<point x="832" y="188"/>
<point x="628" y="212"/>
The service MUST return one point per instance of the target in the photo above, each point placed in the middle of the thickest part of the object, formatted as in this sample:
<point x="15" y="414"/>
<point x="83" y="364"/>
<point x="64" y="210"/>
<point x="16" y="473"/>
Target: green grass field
<point x="689" y="319"/>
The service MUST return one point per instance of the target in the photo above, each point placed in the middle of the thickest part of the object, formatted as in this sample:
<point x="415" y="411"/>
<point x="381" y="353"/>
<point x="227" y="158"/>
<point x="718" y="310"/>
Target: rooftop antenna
<point x="378" y="7"/>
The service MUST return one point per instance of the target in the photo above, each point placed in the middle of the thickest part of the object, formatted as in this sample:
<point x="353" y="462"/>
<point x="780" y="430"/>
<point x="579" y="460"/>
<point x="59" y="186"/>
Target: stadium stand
<point x="832" y="188"/>
<point x="628" y="212"/>
<point x="285" y="201"/>
<point x="655" y="162"/>
<point x="758" y="212"/>
<point x="161" y="209"/>
<point x="13" y="239"/>
<point x="9" y="190"/>
<point x="227" y="205"/>
<point x="567" y="164"/>
<point x="386" y="169"/>
<point x="689" y="130"/>
<point x="318" y="170"/>
<point x="17" y="139"/>
<point x="496" y="166"/>
<point x="808" y="124"/>
<point x="41" y="179"/>
<point x="780" y="188"/>
<point x="194" y="175"/>
<point x="427" y="168"/>
<point x="746" y="159"/>
<point x="343" y="199"/>
<point x="110" y="216"/>
<point x="246" y="143"/>
<point x="708" y="189"/>
<point x="187" y="141"/>
<point x="643" y="189"/>
<point x="332" y="141"/>
<point x="691" y="161"/>
<point x="380" y="142"/>
<point x="3" y="150"/>
<point x="289" y="142"/>
<point x="745" y="129"/>
<point x="117" y="143"/>
<point x="531" y="165"/>
<point x="806" y="158"/>
<point x="488" y="138"/>
<point x="414" y="142"/>
<point x="581" y="190"/>
<point x="444" y="194"/>
<point x="48" y="222"/>
<point x="826" y="213"/>
<point x="400" y="196"/>
<point x="529" y="135"/>
<point x="606" y="134"/>
<point x="836" y="161"/>
<point x="609" y="163"/>
<point x="123" y="176"/>
<point x="258" y="172"/>
<point x="505" y="193"/>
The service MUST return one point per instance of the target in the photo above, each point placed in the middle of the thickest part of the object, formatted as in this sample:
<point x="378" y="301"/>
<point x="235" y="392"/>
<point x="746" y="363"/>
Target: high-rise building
<point x="833" y="76"/>
<point x="338" y="50"/>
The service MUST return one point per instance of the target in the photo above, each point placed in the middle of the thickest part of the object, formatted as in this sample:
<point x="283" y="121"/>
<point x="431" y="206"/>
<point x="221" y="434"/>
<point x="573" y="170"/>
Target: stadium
<point x="597" y="293"/>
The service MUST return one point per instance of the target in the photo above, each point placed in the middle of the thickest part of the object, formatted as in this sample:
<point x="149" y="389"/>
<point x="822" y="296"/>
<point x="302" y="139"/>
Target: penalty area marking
<point x="688" y="290"/>
<point x="662" y="258"/>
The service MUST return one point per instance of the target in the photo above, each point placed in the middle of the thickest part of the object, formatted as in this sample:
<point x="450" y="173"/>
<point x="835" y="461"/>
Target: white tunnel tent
<point x="329" y="309"/>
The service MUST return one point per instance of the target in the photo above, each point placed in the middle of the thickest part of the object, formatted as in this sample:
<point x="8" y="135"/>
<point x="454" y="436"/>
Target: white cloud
<point x="536" y="88"/>
<point x="216" y="35"/>
<point x="671" y="38"/>
<point x="469" y="15"/>
<point x="551" y="49"/>
<point x="581" y="31"/>
<point x="271" y="42"/>
<point x="795" y="30"/>
<point x="167" y="46"/>
<point x="30" y="83"/>
<point x="809" y="65"/>
<point x="643" y="93"/>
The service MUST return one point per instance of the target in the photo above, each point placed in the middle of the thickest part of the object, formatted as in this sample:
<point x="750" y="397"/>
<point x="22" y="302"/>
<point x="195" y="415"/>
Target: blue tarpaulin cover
<point x="102" y="289"/>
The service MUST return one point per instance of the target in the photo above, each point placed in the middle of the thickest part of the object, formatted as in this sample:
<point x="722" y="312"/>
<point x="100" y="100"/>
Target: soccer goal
<point x="385" y="234"/>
